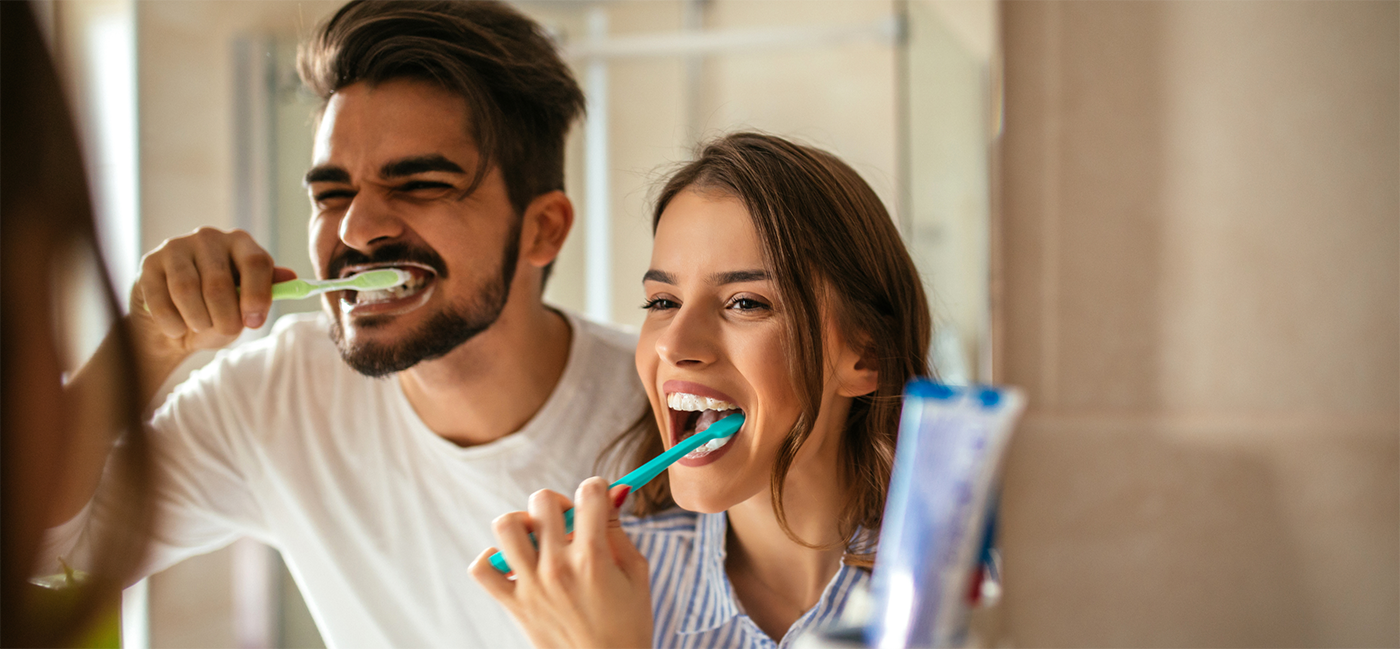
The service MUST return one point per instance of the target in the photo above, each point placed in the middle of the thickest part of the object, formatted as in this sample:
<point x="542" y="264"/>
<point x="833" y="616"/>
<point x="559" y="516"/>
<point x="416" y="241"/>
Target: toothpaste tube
<point x="951" y="442"/>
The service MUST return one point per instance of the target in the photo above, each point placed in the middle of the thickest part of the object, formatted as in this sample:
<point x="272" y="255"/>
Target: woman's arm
<point x="589" y="591"/>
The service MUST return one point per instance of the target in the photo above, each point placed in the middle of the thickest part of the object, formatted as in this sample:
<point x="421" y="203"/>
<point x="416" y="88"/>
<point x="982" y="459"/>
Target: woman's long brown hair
<point x="833" y="251"/>
<point x="45" y="212"/>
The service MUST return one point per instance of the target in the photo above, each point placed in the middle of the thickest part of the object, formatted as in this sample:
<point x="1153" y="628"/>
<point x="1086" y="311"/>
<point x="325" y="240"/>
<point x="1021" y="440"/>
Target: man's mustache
<point x="388" y="254"/>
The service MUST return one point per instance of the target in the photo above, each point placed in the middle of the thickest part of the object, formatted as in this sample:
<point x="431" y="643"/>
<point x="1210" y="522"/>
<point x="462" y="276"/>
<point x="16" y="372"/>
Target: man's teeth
<point x="414" y="283"/>
<point x="696" y="403"/>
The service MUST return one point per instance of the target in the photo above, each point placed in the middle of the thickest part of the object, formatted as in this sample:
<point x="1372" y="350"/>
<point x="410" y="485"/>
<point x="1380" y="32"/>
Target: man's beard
<point x="442" y="333"/>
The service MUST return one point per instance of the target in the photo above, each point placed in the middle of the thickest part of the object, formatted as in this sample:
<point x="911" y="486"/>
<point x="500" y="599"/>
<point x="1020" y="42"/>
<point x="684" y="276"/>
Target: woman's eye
<point x="659" y="304"/>
<point x="747" y="304"/>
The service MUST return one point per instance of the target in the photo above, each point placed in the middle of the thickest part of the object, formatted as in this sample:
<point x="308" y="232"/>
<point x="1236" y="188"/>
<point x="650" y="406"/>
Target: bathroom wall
<point x="1199" y="214"/>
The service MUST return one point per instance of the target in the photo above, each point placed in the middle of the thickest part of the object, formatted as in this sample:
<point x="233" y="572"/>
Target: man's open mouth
<point x="693" y="413"/>
<point x="405" y="297"/>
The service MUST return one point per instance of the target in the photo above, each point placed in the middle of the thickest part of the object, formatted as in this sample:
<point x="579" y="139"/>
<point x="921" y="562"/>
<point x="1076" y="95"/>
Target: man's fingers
<point x="186" y="290"/>
<point x="591" y="516"/>
<point x="212" y="258"/>
<point x="280" y="274"/>
<point x="255" y="276"/>
<point x="496" y="584"/>
<point x="513" y="531"/>
<point x="155" y="293"/>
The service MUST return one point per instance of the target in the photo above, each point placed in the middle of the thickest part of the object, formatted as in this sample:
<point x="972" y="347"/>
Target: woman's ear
<point x="548" y="219"/>
<point x="856" y="373"/>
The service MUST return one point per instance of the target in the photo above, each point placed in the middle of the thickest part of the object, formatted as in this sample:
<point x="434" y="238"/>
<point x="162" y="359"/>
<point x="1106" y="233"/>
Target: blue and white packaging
<point x="951" y="443"/>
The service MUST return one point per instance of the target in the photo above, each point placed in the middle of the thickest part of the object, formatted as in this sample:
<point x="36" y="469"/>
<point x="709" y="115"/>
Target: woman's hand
<point x="589" y="591"/>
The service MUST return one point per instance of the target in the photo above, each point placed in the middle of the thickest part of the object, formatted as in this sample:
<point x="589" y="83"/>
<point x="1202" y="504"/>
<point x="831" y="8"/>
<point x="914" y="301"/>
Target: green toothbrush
<point x="719" y="430"/>
<point x="372" y="280"/>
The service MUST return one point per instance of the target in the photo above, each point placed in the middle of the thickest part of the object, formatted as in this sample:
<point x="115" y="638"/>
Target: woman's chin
<point x="696" y="498"/>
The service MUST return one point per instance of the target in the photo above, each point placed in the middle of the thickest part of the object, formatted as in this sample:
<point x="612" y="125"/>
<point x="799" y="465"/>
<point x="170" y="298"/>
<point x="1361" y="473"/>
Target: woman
<point x="778" y="287"/>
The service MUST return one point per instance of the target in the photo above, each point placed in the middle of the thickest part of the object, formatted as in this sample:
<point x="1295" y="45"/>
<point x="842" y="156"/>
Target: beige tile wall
<point x="1202" y="260"/>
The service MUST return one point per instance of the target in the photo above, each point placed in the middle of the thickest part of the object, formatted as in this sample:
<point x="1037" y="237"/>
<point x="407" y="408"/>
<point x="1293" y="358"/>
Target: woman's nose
<point x="689" y="340"/>
<point x="368" y="222"/>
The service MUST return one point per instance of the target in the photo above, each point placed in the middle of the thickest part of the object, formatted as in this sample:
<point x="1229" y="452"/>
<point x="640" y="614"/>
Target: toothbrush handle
<point x="645" y="473"/>
<point x="292" y="289"/>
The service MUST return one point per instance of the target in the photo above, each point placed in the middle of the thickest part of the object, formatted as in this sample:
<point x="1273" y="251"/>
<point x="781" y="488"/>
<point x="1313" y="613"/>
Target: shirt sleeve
<point x="202" y="476"/>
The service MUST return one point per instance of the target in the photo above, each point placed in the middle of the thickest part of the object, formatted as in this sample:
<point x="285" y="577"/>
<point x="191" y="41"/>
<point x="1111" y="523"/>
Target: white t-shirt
<point x="375" y="515"/>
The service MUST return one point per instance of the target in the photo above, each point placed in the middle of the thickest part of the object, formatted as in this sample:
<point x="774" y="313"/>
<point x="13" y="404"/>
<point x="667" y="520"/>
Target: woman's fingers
<point x="496" y="584"/>
<point x="631" y="560"/>
<point x="547" y="518"/>
<point x="591" y="516"/>
<point x="624" y="553"/>
<point x="513" y="532"/>
<point x="571" y="593"/>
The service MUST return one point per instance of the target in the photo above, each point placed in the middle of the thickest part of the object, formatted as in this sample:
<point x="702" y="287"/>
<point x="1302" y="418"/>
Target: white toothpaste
<point x="695" y="403"/>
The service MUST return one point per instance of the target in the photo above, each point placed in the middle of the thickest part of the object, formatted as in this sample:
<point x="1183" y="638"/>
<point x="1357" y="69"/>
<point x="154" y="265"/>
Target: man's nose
<point x="690" y="340"/>
<point x="369" y="222"/>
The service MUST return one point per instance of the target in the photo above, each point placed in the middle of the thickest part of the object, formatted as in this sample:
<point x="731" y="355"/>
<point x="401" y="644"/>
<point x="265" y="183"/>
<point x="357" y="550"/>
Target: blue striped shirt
<point x="692" y="601"/>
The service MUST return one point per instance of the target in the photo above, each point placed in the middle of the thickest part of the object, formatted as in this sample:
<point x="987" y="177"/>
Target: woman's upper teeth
<point x="696" y="403"/>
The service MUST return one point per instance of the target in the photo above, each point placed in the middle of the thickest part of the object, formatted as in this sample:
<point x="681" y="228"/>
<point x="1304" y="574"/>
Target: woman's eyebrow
<point x="738" y="276"/>
<point x="662" y="276"/>
<point x="719" y="279"/>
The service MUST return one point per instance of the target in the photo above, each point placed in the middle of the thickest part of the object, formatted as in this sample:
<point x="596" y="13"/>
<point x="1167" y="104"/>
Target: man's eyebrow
<point x="737" y="276"/>
<point x="419" y="164"/>
<point x="326" y="174"/>
<point x="659" y="276"/>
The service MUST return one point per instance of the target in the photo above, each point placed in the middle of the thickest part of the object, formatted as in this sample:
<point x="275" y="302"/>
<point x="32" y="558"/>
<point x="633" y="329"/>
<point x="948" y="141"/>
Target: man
<point x="374" y="444"/>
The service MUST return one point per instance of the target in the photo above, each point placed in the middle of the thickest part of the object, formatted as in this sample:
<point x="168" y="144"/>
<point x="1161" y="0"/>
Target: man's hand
<point x="198" y="292"/>
<point x="591" y="590"/>
<point x="186" y="299"/>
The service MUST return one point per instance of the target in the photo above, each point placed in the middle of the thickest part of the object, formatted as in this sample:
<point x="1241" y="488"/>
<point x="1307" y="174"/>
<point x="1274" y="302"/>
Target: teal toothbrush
<point x="373" y="280"/>
<point x="719" y="430"/>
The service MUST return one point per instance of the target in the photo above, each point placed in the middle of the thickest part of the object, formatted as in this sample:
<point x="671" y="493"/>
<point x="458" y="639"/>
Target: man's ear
<point x="547" y="221"/>
<point x="856" y="373"/>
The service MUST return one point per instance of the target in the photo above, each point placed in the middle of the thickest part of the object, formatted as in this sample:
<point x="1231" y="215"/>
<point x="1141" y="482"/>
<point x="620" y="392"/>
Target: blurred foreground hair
<point x="47" y="223"/>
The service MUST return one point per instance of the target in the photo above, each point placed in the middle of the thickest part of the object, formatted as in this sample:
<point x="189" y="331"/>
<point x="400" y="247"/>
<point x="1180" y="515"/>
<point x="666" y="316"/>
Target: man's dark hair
<point x="521" y="97"/>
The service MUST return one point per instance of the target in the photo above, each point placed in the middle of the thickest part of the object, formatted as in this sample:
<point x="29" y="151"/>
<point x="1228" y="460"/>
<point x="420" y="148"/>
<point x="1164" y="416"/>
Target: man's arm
<point x="195" y="292"/>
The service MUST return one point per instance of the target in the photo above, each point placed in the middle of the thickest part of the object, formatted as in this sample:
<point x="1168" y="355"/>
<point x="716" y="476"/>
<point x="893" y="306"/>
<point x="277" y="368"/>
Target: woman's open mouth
<point x="692" y="413"/>
<point x="399" y="299"/>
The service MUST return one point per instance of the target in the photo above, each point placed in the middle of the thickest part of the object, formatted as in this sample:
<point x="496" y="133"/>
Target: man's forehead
<point x="365" y="129"/>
